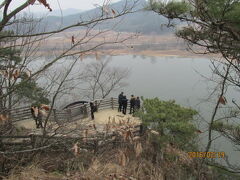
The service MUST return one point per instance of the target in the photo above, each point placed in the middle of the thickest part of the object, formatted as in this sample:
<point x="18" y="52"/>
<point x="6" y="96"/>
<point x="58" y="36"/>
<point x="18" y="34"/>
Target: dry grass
<point x="100" y="168"/>
<point x="121" y="161"/>
<point x="125" y="157"/>
<point x="146" y="45"/>
<point x="34" y="173"/>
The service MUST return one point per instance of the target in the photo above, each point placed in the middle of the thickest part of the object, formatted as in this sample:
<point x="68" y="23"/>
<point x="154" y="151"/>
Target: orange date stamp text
<point x="206" y="154"/>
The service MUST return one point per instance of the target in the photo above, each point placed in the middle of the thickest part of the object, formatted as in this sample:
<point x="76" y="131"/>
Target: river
<point x="185" y="80"/>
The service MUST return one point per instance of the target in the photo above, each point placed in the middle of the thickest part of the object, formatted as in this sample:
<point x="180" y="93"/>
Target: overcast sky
<point x="64" y="4"/>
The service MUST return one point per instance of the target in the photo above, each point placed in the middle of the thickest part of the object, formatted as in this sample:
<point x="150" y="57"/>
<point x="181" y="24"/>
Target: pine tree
<point x="173" y="122"/>
<point x="16" y="86"/>
<point x="214" y="26"/>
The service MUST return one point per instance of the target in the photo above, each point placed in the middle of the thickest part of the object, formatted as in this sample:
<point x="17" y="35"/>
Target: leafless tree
<point x="72" y="44"/>
<point x="100" y="79"/>
<point x="21" y="33"/>
<point x="16" y="55"/>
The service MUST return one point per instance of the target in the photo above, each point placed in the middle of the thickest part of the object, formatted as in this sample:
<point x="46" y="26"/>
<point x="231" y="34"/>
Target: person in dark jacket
<point x="34" y="111"/>
<point x="37" y="116"/>
<point x="93" y="109"/>
<point x="124" y="104"/>
<point x="132" y="104"/>
<point x="137" y="103"/>
<point x="40" y="119"/>
<point x="120" y="97"/>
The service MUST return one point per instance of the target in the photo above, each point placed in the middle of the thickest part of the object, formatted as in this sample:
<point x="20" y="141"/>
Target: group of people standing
<point x="38" y="113"/>
<point x="123" y="102"/>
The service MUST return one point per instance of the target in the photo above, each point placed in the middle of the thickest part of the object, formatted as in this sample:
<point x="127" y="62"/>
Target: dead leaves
<point x="120" y="177"/>
<point x="75" y="149"/>
<point x="199" y="131"/>
<point x="27" y="73"/>
<point x="85" y="135"/>
<point x="82" y="56"/>
<point x="113" y="12"/>
<point x="42" y="113"/>
<point x="107" y="128"/>
<point x="94" y="126"/>
<point x="3" y="118"/>
<point x="183" y="157"/>
<point x="42" y="110"/>
<point x="14" y="73"/>
<point x="122" y="158"/>
<point x="154" y="132"/>
<point x="43" y="2"/>
<point x="11" y="74"/>
<point x="31" y="2"/>
<point x="136" y="138"/>
<point x="34" y="111"/>
<point x="138" y="149"/>
<point x="108" y="11"/>
<point x="128" y="136"/>
<point x="124" y="129"/>
<point x="97" y="56"/>
<point x="73" y="40"/>
<point x="45" y="107"/>
<point x="222" y="100"/>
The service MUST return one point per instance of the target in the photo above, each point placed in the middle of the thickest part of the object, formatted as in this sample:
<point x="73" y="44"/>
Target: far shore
<point x="151" y="53"/>
<point x="144" y="45"/>
<point x="158" y="53"/>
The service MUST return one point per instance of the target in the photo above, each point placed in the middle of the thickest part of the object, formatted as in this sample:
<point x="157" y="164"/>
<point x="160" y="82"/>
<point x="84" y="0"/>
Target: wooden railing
<point x="20" y="114"/>
<point x="75" y="112"/>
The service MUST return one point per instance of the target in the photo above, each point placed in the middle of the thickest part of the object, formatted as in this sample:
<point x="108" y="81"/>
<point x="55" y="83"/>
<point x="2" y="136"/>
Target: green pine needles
<point x="172" y="121"/>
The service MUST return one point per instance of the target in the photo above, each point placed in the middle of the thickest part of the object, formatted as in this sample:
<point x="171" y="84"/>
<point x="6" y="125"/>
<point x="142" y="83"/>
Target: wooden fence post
<point x="112" y="102"/>
<point x="69" y="114"/>
<point x="55" y="116"/>
<point x="96" y="105"/>
<point x="33" y="140"/>
<point x="95" y="144"/>
<point x="85" y="111"/>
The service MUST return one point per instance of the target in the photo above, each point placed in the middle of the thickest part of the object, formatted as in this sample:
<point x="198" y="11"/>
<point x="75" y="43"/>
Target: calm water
<point x="185" y="80"/>
<point x="175" y="78"/>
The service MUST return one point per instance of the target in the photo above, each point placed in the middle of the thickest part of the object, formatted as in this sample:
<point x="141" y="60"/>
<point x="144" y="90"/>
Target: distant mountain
<point x="62" y="12"/>
<point x="66" y="12"/>
<point x="142" y="21"/>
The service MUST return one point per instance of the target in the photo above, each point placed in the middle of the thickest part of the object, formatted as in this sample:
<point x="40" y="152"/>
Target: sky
<point x="63" y="4"/>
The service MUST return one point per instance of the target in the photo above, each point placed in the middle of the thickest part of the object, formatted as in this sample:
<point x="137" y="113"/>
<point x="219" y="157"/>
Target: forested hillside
<point x="142" y="21"/>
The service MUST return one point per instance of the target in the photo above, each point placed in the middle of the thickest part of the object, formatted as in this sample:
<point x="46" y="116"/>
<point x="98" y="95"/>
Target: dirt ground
<point x="101" y="118"/>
